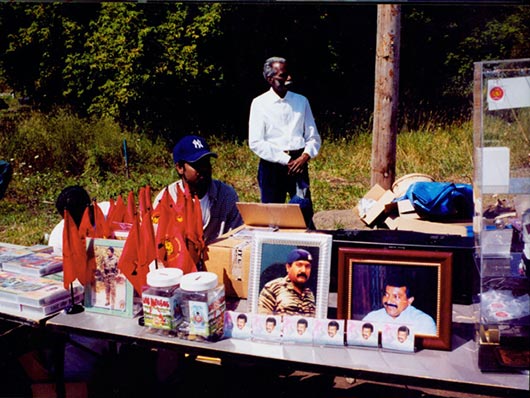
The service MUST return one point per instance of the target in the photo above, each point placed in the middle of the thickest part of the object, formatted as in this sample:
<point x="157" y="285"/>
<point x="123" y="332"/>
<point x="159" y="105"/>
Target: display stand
<point x="502" y="212"/>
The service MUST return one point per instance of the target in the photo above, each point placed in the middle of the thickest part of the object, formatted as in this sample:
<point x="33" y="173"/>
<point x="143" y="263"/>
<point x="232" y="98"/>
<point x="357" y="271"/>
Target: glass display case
<point x="501" y="189"/>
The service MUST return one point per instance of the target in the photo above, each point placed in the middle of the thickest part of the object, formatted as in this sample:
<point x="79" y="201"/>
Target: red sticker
<point x="496" y="93"/>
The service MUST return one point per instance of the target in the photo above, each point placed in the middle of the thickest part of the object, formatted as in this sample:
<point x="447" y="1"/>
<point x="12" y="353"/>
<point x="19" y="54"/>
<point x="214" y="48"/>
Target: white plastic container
<point x="160" y="300"/>
<point x="203" y="305"/>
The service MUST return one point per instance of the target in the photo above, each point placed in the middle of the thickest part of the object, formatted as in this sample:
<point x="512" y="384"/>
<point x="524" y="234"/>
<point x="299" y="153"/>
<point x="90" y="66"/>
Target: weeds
<point x="49" y="152"/>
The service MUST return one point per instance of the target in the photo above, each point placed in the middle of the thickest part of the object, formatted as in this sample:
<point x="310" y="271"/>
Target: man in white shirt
<point x="283" y="133"/>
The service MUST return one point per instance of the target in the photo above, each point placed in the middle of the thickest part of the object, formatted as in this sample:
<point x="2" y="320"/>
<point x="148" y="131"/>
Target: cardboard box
<point x="454" y="228"/>
<point x="383" y="204"/>
<point x="229" y="255"/>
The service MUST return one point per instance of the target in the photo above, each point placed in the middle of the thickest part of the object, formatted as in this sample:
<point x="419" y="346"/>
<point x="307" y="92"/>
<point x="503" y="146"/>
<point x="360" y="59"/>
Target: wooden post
<point x="386" y="95"/>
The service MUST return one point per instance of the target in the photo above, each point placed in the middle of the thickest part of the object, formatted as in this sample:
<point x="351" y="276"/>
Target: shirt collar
<point x="273" y="97"/>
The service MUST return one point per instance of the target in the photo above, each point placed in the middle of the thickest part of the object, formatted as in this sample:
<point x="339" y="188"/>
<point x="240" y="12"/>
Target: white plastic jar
<point x="160" y="301"/>
<point x="203" y="306"/>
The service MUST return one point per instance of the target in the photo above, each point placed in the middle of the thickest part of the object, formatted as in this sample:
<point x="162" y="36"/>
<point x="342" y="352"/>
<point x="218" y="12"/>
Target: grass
<point x="340" y="175"/>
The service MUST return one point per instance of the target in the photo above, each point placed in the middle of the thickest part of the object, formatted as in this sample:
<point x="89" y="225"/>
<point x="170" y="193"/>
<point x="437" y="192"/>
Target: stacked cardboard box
<point x="382" y="209"/>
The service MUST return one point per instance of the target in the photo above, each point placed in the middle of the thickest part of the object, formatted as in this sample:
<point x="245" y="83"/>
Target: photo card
<point x="362" y="333"/>
<point x="298" y="329"/>
<point x="400" y="337"/>
<point x="267" y="328"/>
<point x="329" y="332"/>
<point x="237" y="325"/>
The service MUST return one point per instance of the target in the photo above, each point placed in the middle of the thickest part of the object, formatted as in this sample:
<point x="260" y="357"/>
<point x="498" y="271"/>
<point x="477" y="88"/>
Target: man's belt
<point x="295" y="153"/>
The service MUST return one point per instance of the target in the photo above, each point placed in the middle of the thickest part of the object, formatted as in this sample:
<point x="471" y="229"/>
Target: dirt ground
<point x="338" y="219"/>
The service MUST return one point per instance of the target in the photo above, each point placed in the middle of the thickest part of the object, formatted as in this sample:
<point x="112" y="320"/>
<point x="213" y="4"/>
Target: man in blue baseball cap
<point x="192" y="158"/>
<point x="289" y="294"/>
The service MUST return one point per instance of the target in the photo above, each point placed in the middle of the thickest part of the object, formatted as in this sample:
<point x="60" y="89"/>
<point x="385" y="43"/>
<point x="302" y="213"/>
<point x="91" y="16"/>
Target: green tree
<point x="137" y="63"/>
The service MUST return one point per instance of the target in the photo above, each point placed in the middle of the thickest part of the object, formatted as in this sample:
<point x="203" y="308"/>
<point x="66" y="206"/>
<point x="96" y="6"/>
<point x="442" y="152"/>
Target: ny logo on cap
<point x="197" y="144"/>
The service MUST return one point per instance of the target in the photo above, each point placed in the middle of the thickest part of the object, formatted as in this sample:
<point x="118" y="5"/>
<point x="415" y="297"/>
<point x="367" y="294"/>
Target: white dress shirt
<point x="282" y="124"/>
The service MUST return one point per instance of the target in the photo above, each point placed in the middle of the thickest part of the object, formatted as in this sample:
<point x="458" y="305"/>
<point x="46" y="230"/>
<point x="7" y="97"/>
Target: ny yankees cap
<point x="299" y="254"/>
<point x="191" y="148"/>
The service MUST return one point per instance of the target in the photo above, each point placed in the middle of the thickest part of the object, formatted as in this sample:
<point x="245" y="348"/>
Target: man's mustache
<point x="390" y="305"/>
<point x="301" y="274"/>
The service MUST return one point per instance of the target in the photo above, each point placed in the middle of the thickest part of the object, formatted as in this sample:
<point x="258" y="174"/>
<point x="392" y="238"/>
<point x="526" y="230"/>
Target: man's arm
<point x="266" y="301"/>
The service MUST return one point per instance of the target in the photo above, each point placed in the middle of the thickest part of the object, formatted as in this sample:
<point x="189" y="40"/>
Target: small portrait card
<point x="237" y="325"/>
<point x="267" y="328"/>
<point x="395" y="336"/>
<point x="298" y="329"/>
<point x="362" y="333"/>
<point x="329" y="332"/>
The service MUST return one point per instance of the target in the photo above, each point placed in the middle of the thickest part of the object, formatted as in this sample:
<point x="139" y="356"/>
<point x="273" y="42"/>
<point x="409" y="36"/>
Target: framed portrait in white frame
<point x="109" y="291"/>
<point x="268" y="262"/>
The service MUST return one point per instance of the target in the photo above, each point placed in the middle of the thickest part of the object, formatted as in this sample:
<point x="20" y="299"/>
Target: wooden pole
<point x="386" y="95"/>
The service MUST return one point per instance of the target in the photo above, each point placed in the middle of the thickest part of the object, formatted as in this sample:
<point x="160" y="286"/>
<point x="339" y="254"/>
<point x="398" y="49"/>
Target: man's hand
<point x="296" y="166"/>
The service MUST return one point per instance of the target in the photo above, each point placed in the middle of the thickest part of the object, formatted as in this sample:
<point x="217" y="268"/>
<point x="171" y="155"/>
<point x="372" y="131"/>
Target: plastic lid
<point x="198" y="281"/>
<point x="164" y="277"/>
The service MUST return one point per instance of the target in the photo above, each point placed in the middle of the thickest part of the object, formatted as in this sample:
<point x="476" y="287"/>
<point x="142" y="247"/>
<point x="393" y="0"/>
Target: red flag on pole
<point x="128" y="262"/>
<point x="147" y="248"/>
<point x="74" y="253"/>
<point x="131" y="208"/>
<point x="101" y="227"/>
<point x="174" y="250"/>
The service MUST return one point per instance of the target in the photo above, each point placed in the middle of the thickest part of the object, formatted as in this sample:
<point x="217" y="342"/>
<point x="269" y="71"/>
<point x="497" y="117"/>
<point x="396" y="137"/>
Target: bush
<point x="64" y="142"/>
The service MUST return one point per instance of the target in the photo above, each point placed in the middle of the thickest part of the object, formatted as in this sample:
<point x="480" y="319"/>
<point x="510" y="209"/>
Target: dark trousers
<point x="275" y="184"/>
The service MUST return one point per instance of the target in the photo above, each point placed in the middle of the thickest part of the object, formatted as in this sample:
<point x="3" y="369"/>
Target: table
<point x="455" y="370"/>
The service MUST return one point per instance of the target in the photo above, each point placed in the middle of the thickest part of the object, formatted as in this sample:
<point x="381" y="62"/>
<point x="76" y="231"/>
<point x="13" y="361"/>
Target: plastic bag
<point x="441" y="200"/>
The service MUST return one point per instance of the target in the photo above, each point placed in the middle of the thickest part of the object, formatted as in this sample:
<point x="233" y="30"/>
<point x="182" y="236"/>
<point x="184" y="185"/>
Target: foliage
<point x="63" y="142"/>
<point x="135" y="63"/>
<point x="172" y="68"/>
<point x="340" y="175"/>
<point x="503" y="36"/>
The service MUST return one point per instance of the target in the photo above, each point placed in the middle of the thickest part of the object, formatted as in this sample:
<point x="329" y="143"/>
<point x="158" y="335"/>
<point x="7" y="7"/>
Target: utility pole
<point x="386" y="95"/>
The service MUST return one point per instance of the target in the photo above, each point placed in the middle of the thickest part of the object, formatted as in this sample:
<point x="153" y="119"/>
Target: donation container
<point x="160" y="299"/>
<point x="501" y="189"/>
<point x="203" y="305"/>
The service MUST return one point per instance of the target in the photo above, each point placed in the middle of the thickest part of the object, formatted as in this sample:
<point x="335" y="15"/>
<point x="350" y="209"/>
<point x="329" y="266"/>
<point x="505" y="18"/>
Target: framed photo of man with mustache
<point x="391" y="286"/>
<point x="289" y="274"/>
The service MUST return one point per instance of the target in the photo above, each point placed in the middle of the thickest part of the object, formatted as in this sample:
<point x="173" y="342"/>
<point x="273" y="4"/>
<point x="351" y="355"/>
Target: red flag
<point x="86" y="228"/>
<point x="148" y="202"/>
<point x="128" y="262"/>
<point x="147" y="248"/>
<point x="117" y="212"/>
<point x="116" y="216"/>
<point x="101" y="227"/>
<point x="74" y="253"/>
<point x="141" y="201"/>
<point x="172" y="249"/>
<point x="130" y="214"/>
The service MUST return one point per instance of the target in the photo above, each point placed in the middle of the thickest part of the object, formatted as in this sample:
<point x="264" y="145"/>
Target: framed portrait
<point x="271" y="252"/>
<point x="366" y="291"/>
<point x="109" y="292"/>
